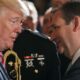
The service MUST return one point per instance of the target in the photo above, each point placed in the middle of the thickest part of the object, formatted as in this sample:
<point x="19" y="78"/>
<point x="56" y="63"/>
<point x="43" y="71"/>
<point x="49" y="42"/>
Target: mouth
<point x="14" y="38"/>
<point x="58" y="44"/>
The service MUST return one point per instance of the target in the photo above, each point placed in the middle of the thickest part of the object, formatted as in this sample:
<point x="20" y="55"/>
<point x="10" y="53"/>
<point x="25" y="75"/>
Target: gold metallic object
<point x="17" y="62"/>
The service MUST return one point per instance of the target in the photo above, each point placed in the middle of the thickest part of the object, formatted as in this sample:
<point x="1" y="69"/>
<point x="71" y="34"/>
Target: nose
<point x="18" y="29"/>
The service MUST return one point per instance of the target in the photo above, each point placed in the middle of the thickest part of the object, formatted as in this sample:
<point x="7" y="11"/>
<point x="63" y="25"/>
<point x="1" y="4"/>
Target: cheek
<point x="5" y="38"/>
<point x="61" y="33"/>
<point x="8" y="42"/>
<point x="6" y="35"/>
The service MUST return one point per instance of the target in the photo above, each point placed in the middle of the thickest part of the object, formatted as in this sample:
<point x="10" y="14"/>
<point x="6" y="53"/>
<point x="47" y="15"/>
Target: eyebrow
<point x="53" y="26"/>
<point x="14" y="18"/>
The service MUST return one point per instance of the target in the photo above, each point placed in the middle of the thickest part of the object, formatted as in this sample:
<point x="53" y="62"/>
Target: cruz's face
<point x="62" y="31"/>
<point x="10" y="26"/>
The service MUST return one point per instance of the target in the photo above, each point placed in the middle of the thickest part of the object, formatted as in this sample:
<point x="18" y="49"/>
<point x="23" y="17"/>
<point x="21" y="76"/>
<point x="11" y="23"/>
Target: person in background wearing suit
<point x="31" y="15"/>
<point x="66" y="25"/>
<point x="38" y="55"/>
<point x="11" y="17"/>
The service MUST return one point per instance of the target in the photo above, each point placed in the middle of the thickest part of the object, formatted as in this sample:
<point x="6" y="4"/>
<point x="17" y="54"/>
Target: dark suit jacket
<point x="38" y="56"/>
<point x="74" y="72"/>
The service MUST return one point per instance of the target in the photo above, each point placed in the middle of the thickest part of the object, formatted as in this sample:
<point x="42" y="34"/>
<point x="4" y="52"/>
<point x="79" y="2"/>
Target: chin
<point x="61" y="51"/>
<point x="10" y="46"/>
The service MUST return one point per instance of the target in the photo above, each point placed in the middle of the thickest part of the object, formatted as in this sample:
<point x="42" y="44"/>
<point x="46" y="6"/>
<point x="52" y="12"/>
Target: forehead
<point x="4" y="8"/>
<point x="57" y="18"/>
<point x="11" y="13"/>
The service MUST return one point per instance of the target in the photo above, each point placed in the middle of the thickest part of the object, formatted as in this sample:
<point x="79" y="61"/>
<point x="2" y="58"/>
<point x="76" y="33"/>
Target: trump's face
<point x="10" y="26"/>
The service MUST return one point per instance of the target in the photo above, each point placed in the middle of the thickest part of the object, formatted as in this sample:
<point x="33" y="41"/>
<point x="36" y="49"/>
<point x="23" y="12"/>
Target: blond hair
<point x="13" y="5"/>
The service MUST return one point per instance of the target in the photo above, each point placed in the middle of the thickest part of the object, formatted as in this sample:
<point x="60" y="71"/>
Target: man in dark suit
<point x="66" y="25"/>
<point x="39" y="59"/>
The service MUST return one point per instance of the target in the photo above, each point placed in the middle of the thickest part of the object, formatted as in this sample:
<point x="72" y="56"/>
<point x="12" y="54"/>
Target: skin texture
<point x="66" y="34"/>
<point x="47" y="22"/>
<point x="10" y="26"/>
<point x="48" y="30"/>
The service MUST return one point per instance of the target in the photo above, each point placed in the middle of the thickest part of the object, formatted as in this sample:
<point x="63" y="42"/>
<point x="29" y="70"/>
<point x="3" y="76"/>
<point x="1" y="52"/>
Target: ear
<point x="76" y="23"/>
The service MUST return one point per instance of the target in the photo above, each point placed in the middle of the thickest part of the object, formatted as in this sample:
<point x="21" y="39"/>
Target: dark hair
<point x="70" y="10"/>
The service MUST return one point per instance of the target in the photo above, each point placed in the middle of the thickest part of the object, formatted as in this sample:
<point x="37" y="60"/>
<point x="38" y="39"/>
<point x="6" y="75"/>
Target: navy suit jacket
<point x="74" y="72"/>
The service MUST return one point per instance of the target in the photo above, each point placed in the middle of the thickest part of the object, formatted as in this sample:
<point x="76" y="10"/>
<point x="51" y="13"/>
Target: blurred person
<point x="30" y="11"/>
<point x="28" y="24"/>
<point x="66" y="25"/>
